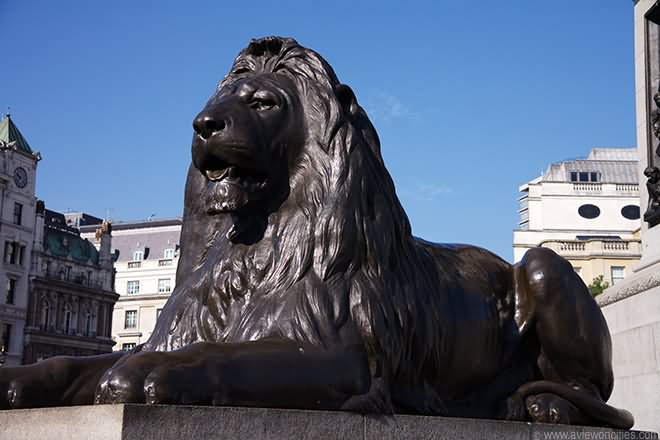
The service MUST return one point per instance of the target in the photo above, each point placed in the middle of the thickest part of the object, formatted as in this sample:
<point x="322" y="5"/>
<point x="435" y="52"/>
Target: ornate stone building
<point x="71" y="291"/>
<point x="18" y="168"/>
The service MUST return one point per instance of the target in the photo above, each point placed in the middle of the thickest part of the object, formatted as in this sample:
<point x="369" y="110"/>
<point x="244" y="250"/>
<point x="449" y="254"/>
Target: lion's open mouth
<point x="231" y="187"/>
<point x="247" y="179"/>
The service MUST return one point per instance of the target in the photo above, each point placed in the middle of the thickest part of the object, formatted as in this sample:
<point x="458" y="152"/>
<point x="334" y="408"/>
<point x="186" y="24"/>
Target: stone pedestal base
<point x="143" y="422"/>
<point x="632" y="311"/>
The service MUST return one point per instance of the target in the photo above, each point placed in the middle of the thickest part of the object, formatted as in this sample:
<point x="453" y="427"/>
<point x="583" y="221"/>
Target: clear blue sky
<point x="471" y="99"/>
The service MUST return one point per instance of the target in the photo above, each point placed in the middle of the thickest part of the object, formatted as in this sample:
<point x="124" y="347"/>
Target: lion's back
<point x="477" y="265"/>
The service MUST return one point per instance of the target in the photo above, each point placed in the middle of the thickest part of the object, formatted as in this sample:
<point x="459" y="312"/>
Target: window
<point x="11" y="252"/>
<point x="133" y="287"/>
<point x="18" y="213"/>
<point x="14" y="253"/>
<point x="164" y="285"/>
<point x="618" y="273"/>
<point x="6" y="338"/>
<point x="138" y="255"/>
<point x="88" y="324"/>
<point x="130" y="319"/>
<point x="585" y="176"/>
<point x="45" y="315"/>
<point x="128" y="346"/>
<point x="168" y="254"/>
<point x="589" y="211"/>
<point x="67" y="320"/>
<point x="11" y="291"/>
<point x="631" y="212"/>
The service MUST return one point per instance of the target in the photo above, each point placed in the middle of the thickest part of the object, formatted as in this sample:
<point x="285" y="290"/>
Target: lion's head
<point x="246" y="138"/>
<point x="255" y="140"/>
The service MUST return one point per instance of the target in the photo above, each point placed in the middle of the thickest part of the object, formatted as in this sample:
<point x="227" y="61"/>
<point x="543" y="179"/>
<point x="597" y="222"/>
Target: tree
<point x="598" y="285"/>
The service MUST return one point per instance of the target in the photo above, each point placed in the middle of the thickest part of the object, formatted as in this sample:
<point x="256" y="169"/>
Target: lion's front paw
<point x="124" y="382"/>
<point x="23" y="393"/>
<point x="190" y="376"/>
<point x="186" y="384"/>
<point x="119" y="387"/>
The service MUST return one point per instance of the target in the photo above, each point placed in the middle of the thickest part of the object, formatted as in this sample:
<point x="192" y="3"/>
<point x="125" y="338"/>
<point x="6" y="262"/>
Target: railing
<point x="627" y="187"/>
<point x="73" y="278"/>
<point x="134" y="264"/>
<point x="70" y="332"/>
<point x="616" y="245"/>
<point x="588" y="187"/>
<point x="164" y="262"/>
<point x="572" y="246"/>
<point x="595" y="247"/>
<point x="607" y="188"/>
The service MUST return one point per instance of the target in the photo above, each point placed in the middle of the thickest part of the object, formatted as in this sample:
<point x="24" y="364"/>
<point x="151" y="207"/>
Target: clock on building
<point x="20" y="177"/>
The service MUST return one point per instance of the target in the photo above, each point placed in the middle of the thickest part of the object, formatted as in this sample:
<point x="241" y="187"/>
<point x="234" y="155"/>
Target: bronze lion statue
<point x="301" y="285"/>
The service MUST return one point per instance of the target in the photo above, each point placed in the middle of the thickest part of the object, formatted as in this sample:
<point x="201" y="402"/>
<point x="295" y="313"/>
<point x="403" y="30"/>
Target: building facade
<point x="588" y="211"/>
<point x="18" y="171"/>
<point x="632" y="307"/>
<point x="71" y="295"/>
<point x="148" y="255"/>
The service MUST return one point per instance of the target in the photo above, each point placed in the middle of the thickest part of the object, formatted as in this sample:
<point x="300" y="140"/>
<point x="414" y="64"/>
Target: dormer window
<point x="138" y="255"/>
<point x="585" y="176"/>
<point x="168" y="254"/>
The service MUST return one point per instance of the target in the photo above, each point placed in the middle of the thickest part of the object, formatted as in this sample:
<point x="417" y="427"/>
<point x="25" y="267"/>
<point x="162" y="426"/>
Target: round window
<point x="631" y="212"/>
<point x="589" y="211"/>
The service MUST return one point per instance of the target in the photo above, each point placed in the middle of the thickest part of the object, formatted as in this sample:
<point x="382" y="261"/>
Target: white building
<point x="148" y="255"/>
<point x="18" y="171"/>
<point x="587" y="210"/>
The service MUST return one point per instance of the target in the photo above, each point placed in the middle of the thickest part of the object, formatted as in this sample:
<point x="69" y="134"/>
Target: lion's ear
<point x="347" y="99"/>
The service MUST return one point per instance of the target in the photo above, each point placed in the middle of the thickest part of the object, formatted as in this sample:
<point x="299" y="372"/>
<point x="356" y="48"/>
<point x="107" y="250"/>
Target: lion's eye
<point x="260" y="104"/>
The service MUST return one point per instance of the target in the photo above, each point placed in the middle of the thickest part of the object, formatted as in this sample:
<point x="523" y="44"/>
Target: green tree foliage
<point x="598" y="285"/>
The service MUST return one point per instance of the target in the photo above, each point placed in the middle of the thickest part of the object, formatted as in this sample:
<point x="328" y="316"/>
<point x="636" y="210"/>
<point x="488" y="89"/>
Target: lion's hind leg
<point x="574" y="346"/>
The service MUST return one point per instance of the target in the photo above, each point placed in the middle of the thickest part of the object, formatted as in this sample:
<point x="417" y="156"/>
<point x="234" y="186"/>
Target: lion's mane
<point x="339" y="251"/>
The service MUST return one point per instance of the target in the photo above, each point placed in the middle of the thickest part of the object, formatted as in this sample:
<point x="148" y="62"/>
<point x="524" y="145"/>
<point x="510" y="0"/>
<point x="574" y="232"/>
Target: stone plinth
<point x="632" y="311"/>
<point x="143" y="422"/>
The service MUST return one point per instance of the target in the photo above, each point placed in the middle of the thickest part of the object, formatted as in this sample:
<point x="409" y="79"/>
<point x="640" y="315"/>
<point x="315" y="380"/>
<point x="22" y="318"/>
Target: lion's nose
<point x="206" y="125"/>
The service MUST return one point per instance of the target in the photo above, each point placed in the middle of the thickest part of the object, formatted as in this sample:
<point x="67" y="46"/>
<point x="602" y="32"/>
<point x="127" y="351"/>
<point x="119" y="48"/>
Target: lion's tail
<point x="588" y="404"/>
